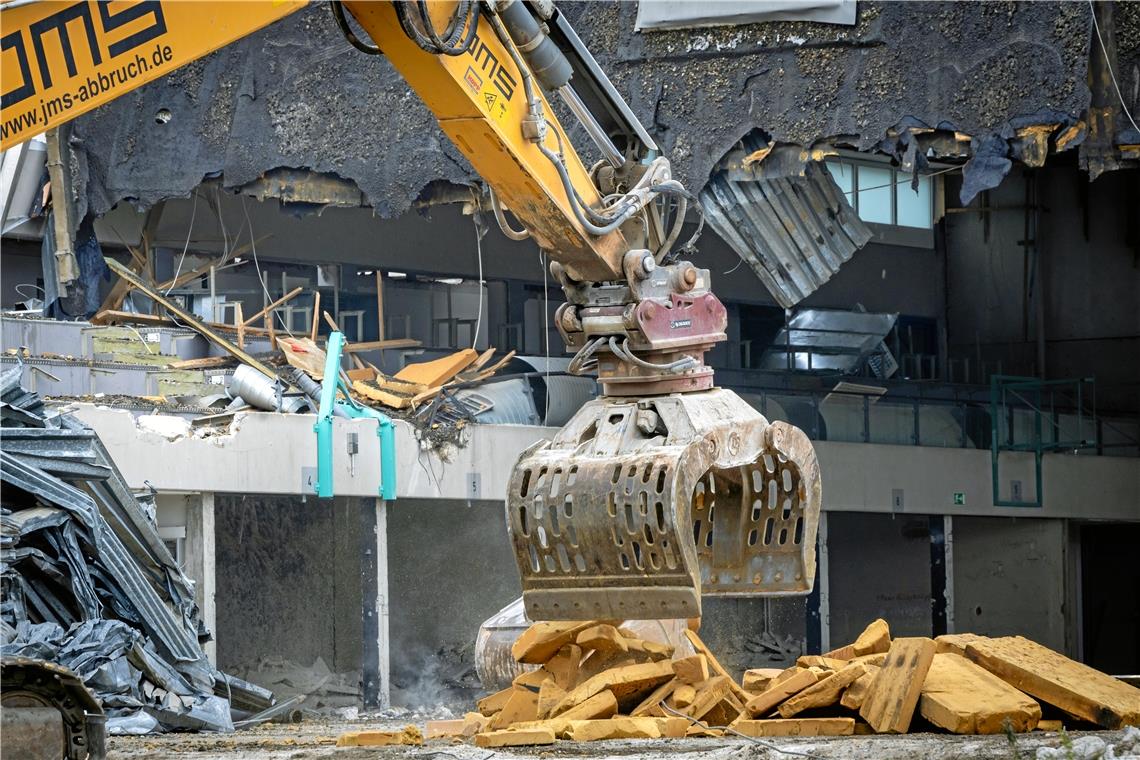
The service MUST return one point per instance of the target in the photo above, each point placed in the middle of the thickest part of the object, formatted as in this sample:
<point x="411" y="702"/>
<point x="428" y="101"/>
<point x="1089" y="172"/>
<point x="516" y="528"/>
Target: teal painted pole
<point x="324" y="425"/>
<point x="387" y="433"/>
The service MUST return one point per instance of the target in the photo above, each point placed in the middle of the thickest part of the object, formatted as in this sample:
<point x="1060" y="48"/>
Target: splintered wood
<point x="597" y="680"/>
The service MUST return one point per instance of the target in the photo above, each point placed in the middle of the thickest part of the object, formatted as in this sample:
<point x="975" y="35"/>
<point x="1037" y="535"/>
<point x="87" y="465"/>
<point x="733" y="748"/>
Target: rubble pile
<point x="89" y="584"/>
<point x="596" y="681"/>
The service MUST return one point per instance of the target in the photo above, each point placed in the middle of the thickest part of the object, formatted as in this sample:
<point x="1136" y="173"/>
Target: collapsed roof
<point x="993" y="82"/>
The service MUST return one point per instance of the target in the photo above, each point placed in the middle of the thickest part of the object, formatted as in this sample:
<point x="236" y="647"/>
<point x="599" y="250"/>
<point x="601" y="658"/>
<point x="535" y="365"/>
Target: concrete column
<point x="374" y="602"/>
<point x="199" y="561"/>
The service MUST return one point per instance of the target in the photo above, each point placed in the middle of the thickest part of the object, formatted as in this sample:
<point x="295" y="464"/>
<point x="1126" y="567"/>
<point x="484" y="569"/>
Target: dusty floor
<point x="316" y="739"/>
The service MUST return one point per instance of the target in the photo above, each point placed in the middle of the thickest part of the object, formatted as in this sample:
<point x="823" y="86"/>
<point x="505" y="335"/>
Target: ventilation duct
<point x="793" y="230"/>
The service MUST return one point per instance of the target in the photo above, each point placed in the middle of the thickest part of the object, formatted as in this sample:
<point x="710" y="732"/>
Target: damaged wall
<point x="267" y="101"/>
<point x="1009" y="575"/>
<point x="288" y="581"/>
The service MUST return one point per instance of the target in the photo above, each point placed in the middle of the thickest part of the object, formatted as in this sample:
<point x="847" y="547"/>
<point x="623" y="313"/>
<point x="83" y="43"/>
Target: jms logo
<point x="76" y="31"/>
<point x="488" y="63"/>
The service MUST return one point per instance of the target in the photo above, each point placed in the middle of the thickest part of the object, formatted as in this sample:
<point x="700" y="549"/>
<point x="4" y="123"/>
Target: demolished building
<point x="970" y="245"/>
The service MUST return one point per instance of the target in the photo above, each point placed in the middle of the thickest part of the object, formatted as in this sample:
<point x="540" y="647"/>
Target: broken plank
<point x="541" y="641"/>
<point x="692" y="670"/>
<point x="304" y="354"/>
<point x="191" y="321"/>
<point x="367" y="390"/>
<point x="893" y="695"/>
<point x="603" y="638"/>
<point x="796" y="727"/>
<point x="714" y="664"/>
<point x="854" y="694"/>
<point x="409" y="735"/>
<point x="876" y="637"/>
<point x="765" y="702"/>
<point x="955" y="642"/>
<point x="380" y="345"/>
<point x="822" y="693"/>
<point x="651" y="706"/>
<point x="1056" y="680"/>
<point x="626" y="728"/>
<point x="964" y="698"/>
<point x="819" y="661"/>
<point x="132" y="317"/>
<point x="629" y="683"/>
<point x="208" y="362"/>
<point x="491" y="704"/>
<point x="709" y="695"/>
<point x="563" y="666"/>
<point x="438" y="371"/>
<point x="757" y="680"/>
<point x="444" y="729"/>
<point x="520" y="706"/>
<point x="282" y="300"/>
<point x="549" y="695"/>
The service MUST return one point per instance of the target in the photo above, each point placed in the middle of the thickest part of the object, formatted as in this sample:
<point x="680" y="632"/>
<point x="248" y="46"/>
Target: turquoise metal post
<point x="385" y="430"/>
<point x="324" y="426"/>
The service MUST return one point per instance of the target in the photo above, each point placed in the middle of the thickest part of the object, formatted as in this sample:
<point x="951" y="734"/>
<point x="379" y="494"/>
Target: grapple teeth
<point x="639" y="504"/>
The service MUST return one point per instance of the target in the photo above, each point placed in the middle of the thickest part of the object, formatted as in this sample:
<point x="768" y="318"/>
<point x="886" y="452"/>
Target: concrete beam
<point x="270" y="453"/>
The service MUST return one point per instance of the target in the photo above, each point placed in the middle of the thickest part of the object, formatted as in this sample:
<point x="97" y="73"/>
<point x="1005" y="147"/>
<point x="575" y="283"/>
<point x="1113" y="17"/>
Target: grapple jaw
<point x="638" y="506"/>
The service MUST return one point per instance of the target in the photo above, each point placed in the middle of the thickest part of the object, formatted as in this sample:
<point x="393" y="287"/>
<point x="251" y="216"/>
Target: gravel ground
<point x="317" y="738"/>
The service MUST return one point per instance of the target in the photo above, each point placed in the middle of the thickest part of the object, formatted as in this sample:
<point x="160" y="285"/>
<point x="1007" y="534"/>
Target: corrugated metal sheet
<point x="793" y="231"/>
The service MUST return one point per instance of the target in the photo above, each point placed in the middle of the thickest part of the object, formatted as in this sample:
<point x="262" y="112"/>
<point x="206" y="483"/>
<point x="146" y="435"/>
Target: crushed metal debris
<point x="89" y="584"/>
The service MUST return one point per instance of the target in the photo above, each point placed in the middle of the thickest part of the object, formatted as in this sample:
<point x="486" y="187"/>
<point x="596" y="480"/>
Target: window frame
<point x="894" y="233"/>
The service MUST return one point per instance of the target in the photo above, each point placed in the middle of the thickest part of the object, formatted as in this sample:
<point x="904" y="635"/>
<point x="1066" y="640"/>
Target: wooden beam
<point x="66" y="267"/>
<point x="266" y="311"/>
<point x="380" y="345"/>
<point x="316" y="316"/>
<point x="190" y="320"/>
<point x="111" y="317"/>
<point x="239" y="323"/>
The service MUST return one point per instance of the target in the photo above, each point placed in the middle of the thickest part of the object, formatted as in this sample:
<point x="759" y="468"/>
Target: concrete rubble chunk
<point x="797" y="727"/>
<point x="692" y="670"/>
<point x="626" y="683"/>
<point x="1051" y="677"/>
<point x="520" y="737"/>
<point x="626" y="728"/>
<point x="894" y="693"/>
<point x="409" y="735"/>
<point x="824" y="692"/>
<point x="765" y="702"/>
<point x="964" y="698"/>
<point x="757" y="679"/>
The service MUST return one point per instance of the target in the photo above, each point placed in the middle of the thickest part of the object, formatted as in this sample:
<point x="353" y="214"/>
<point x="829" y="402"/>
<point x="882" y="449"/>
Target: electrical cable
<point x="257" y="266"/>
<point x="734" y="732"/>
<point x="480" y="231"/>
<point x="346" y="30"/>
<point x="1108" y="65"/>
<point x="185" y="246"/>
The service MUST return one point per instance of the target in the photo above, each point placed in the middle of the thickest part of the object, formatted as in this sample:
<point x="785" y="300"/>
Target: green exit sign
<point x="959" y="499"/>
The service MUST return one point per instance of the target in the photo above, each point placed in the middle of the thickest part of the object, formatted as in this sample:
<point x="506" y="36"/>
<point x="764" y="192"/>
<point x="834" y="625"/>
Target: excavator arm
<point x="664" y="487"/>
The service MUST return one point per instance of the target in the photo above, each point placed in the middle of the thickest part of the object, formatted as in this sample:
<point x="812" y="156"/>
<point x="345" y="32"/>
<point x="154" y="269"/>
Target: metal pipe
<point x="591" y="125"/>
